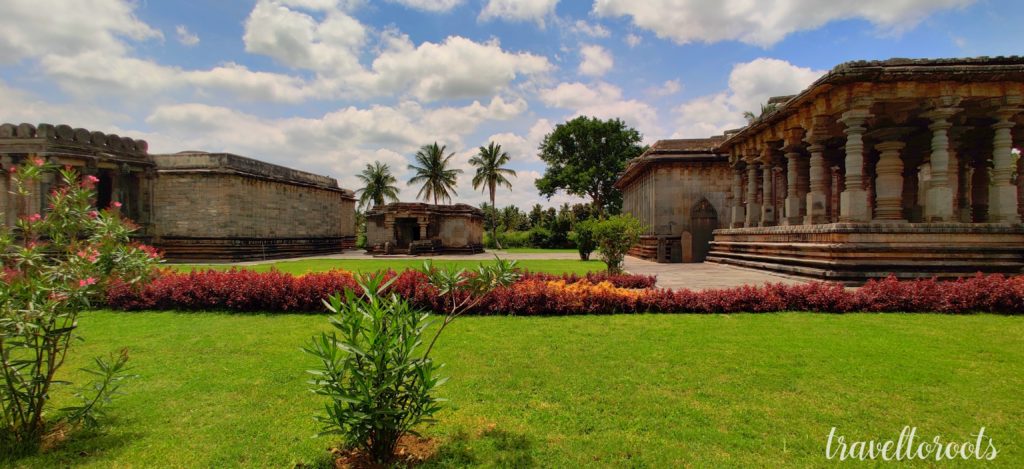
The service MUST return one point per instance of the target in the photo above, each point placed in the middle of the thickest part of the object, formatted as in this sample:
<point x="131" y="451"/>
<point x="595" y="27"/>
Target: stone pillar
<point x="796" y="188"/>
<point x="938" y="206"/>
<point x="889" y="182"/>
<point x="853" y="201"/>
<point x="767" y="195"/>
<point x="816" y="199"/>
<point x="1002" y="195"/>
<point x="753" y="208"/>
<point x="423" y="227"/>
<point x="738" y="213"/>
<point x="963" y="198"/>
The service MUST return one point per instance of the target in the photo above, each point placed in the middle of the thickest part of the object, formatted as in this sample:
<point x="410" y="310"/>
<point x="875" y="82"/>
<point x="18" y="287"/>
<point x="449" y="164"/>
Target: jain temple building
<point x="899" y="166"/>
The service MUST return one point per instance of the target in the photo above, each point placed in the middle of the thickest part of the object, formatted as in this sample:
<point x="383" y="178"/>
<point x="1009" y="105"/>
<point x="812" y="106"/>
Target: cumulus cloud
<point x="633" y="40"/>
<point x="453" y="69"/>
<point x="298" y="40"/>
<point x="518" y="10"/>
<point x="67" y="27"/>
<point x="429" y="5"/>
<point x="604" y="101"/>
<point x="596" y="60"/>
<point x="750" y="86"/>
<point x="767" y="22"/>
<point x="186" y="37"/>
<point x="670" y="87"/>
<point x="589" y="29"/>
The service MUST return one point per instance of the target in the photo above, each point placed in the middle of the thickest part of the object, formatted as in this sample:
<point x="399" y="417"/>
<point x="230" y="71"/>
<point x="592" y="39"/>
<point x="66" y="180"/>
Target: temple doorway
<point x="104" y="190"/>
<point x="407" y="230"/>
<point x="703" y="222"/>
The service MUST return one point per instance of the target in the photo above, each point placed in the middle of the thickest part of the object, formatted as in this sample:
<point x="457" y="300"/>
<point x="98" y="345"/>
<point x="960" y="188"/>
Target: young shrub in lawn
<point x="374" y="369"/>
<point x="55" y="266"/>
<point x="614" y="237"/>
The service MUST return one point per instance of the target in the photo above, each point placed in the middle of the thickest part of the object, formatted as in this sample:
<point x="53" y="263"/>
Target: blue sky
<point x="331" y="85"/>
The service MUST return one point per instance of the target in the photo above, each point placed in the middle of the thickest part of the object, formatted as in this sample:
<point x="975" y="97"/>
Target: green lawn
<point x="222" y="390"/>
<point x="538" y="251"/>
<point x="370" y="265"/>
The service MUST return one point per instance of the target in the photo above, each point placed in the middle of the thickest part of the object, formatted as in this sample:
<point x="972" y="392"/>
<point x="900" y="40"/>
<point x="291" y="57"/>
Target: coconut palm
<point x="433" y="172"/>
<point x="490" y="173"/>
<point x="378" y="185"/>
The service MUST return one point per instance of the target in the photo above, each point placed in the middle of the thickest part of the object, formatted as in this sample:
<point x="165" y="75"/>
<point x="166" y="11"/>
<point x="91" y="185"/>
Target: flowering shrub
<point x="54" y="266"/>
<point x="567" y="294"/>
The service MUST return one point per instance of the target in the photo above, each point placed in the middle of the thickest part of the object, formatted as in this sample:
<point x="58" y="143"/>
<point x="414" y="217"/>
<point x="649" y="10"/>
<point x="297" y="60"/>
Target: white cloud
<point x="298" y="40"/>
<point x="596" y="60"/>
<point x="95" y="74"/>
<point x="518" y="10"/>
<point x="29" y="28"/>
<point x="186" y="37"/>
<point x="429" y="5"/>
<point x="456" y="68"/>
<point x="767" y="22"/>
<point x="633" y="40"/>
<point x="604" y="101"/>
<point x="750" y="86"/>
<point x="588" y="29"/>
<point x="670" y="87"/>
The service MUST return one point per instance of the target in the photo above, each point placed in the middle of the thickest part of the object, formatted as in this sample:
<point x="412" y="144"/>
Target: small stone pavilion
<point x="424" y="229"/>
<point x="900" y="166"/>
<point x="194" y="206"/>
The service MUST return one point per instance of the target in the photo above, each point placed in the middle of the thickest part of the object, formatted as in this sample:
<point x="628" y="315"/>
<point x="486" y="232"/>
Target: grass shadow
<point x="492" y="448"/>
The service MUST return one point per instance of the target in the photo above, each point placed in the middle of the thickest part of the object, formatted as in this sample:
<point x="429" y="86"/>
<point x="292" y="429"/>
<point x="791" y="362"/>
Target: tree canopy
<point x="584" y="158"/>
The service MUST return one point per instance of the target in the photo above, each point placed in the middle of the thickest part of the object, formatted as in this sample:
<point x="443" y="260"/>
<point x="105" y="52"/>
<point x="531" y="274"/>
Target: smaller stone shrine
<point x="424" y="229"/>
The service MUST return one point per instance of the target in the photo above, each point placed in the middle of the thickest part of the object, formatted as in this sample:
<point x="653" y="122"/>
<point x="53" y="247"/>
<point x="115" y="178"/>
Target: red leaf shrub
<point x="546" y="294"/>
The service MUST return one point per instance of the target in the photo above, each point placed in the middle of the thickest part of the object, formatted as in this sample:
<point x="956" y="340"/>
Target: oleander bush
<point x="568" y="294"/>
<point x="53" y="266"/>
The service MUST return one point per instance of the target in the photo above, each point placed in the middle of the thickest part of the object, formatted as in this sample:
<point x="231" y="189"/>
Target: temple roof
<point x="673" y="150"/>
<point x="201" y="161"/>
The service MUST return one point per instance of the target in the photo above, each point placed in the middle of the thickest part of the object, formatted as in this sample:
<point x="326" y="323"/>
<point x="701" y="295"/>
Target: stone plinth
<point x="853" y="253"/>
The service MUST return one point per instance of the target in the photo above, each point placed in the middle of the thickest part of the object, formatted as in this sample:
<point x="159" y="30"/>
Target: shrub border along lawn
<point x="568" y="294"/>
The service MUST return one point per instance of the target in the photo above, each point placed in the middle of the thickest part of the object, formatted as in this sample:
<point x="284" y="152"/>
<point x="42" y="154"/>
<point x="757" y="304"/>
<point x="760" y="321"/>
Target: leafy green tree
<point x="490" y="173"/>
<point x="584" y="158"/>
<point x="378" y="185"/>
<point x="433" y="172"/>
<point x="614" y="237"/>
<point x="583" y="236"/>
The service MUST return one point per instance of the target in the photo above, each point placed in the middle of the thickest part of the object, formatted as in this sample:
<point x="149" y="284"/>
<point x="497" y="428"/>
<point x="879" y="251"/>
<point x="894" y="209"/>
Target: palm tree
<point x="378" y="185"/>
<point x="438" y="181"/>
<point x="490" y="173"/>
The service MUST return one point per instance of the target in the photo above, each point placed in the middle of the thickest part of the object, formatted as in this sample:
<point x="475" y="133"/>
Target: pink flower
<point x="86" y="282"/>
<point x="93" y="214"/>
<point x="38" y="161"/>
<point x="116" y="204"/>
<point x="34" y="217"/>
<point x="92" y="179"/>
<point x="12" y="169"/>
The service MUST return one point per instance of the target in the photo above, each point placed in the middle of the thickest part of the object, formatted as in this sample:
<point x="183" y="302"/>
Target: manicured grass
<point x="221" y="390"/>
<point x="538" y="251"/>
<point x="371" y="265"/>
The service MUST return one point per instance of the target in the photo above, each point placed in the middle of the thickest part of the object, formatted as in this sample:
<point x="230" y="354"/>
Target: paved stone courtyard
<point x="697" y="276"/>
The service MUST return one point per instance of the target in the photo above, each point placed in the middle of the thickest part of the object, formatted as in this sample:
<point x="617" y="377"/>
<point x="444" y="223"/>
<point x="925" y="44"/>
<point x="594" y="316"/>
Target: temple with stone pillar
<point x="195" y="206"/>
<point x="900" y="167"/>
<point x="424" y="229"/>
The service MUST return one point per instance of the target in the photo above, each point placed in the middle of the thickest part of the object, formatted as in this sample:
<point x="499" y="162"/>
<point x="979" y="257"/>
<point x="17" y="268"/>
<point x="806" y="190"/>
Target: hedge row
<point x="541" y="294"/>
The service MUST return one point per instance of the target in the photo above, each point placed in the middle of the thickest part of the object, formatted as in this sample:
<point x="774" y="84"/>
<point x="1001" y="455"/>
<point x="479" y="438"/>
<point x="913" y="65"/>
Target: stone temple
<point x="424" y="229"/>
<point x="195" y="206"/>
<point x="901" y="166"/>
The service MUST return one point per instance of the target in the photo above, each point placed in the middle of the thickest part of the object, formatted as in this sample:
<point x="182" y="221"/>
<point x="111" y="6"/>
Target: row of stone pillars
<point x="806" y="200"/>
